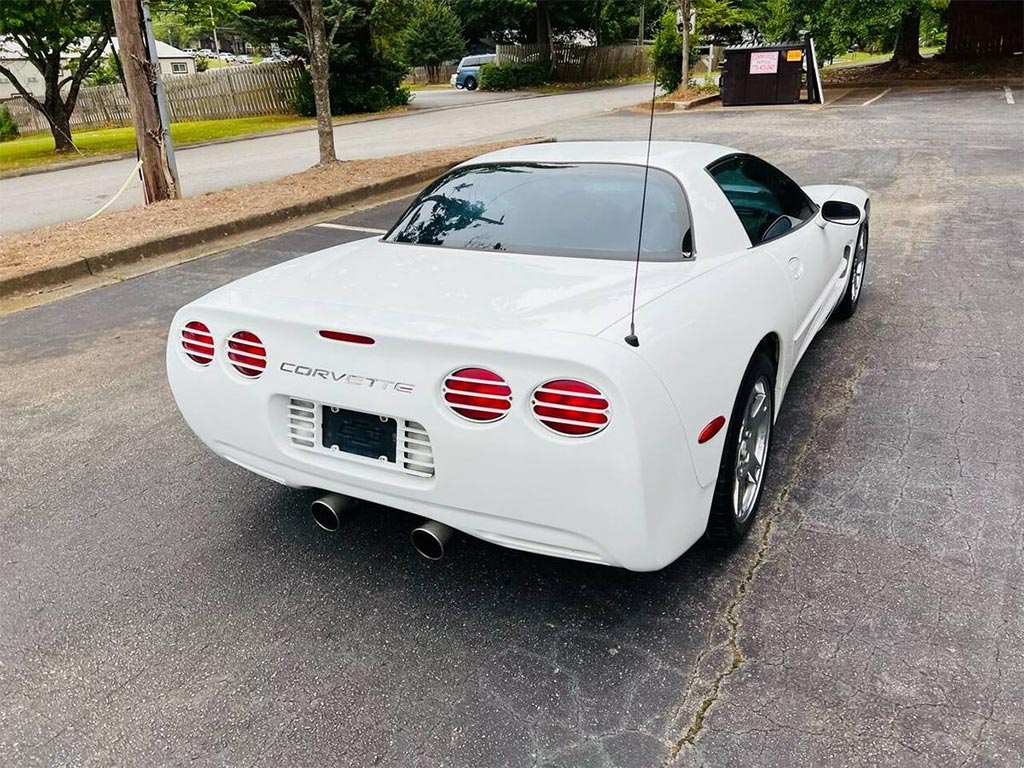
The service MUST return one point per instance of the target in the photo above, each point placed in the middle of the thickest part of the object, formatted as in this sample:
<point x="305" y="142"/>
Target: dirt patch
<point x="50" y="247"/>
<point x="936" y="68"/>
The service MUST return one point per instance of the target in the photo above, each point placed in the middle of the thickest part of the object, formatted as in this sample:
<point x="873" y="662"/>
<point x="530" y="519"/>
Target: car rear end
<point x="547" y="441"/>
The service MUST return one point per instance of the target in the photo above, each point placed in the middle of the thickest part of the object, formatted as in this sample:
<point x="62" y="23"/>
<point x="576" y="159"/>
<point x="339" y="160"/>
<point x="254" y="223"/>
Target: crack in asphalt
<point x="736" y="659"/>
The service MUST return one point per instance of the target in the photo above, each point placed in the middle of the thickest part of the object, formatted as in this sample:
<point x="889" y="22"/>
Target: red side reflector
<point x="711" y="429"/>
<point x="351" y="338"/>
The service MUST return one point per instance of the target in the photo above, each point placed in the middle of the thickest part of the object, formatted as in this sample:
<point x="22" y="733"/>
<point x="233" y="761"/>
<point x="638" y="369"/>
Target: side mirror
<point x="839" y="212"/>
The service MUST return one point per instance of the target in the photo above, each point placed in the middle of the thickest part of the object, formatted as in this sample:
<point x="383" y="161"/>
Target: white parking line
<point x="1009" y="94"/>
<point x="350" y="228"/>
<point x="876" y="98"/>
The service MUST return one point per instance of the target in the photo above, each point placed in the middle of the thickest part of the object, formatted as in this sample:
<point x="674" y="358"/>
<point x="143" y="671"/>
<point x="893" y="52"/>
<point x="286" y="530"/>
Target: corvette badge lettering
<point x="347" y="378"/>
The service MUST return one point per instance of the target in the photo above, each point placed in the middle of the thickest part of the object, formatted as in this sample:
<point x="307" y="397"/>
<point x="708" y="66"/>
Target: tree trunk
<point x="60" y="125"/>
<point x="908" y="46"/>
<point x="320" y="71"/>
<point x="140" y="79"/>
<point x="545" y="38"/>
<point x="684" y="7"/>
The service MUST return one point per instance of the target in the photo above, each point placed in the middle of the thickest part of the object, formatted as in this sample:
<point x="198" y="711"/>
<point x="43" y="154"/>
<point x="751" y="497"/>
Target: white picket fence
<point x="580" y="63"/>
<point x="239" y="91"/>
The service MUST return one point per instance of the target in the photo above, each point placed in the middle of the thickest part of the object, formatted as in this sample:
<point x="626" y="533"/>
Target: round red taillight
<point x="477" y="394"/>
<point x="247" y="353"/>
<point x="570" y="407"/>
<point x="197" y="341"/>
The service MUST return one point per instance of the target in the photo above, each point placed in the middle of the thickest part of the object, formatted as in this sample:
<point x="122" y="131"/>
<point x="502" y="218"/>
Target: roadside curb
<point x="684" y="105"/>
<point x="49" y="277"/>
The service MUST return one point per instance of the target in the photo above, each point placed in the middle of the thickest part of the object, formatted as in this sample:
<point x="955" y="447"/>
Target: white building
<point x="172" y="62"/>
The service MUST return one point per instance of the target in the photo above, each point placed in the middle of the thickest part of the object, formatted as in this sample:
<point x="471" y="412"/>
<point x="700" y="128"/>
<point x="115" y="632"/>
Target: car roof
<point x="682" y="158"/>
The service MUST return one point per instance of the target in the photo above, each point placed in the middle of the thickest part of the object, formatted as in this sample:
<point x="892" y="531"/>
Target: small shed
<point x="763" y="74"/>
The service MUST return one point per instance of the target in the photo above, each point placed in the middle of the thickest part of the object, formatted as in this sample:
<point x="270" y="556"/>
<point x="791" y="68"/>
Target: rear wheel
<point x="470" y="83"/>
<point x="858" y="266"/>
<point x="745" y="456"/>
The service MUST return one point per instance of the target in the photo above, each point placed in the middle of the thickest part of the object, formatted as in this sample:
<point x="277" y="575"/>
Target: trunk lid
<point x="369" y="284"/>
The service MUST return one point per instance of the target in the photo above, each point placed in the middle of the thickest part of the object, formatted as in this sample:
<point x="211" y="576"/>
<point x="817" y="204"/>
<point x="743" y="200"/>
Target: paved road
<point x="160" y="606"/>
<point x="74" y="193"/>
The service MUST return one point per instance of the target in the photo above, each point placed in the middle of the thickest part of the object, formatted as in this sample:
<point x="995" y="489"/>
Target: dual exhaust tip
<point x="429" y="539"/>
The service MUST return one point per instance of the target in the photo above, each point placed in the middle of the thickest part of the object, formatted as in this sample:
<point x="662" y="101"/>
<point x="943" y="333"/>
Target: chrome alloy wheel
<point x="860" y="257"/>
<point x="752" y="449"/>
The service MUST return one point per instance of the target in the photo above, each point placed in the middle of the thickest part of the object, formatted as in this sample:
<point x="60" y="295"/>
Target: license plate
<point x="361" y="434"/>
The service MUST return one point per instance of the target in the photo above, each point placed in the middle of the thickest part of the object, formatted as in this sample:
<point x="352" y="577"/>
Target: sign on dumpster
<point x="764" y="63"/>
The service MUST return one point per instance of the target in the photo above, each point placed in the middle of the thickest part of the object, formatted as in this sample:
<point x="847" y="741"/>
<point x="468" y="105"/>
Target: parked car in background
<point x="468" y="74"/>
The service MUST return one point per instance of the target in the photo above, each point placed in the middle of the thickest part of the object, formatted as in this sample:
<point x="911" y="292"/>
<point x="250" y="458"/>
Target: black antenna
<point x="631" y="339"/>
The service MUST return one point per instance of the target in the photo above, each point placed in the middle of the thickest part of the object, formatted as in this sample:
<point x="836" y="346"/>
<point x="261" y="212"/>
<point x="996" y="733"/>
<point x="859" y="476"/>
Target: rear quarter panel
<point x="700" y="337"/>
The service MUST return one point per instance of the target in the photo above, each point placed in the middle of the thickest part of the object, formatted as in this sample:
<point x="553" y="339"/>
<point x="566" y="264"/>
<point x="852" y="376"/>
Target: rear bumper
<point x="627" y="496"/>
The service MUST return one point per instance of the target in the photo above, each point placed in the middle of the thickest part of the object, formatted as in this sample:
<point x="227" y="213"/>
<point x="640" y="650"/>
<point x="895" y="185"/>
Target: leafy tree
<point x="434" y="36"/>
<point x="667" y="53"/>
<point x="319" y="37"/>
<point x="488" y="22"/>
<point x="363" y="74"/>
<point x="105" y="72"/>
<point x="52" y="33"/>
<point x="838" y="24"/>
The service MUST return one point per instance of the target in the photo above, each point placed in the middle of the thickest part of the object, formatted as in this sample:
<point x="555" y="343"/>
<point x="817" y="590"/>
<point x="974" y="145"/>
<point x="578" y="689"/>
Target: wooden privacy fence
<point x="239" y="91"/>
<point x="420" y="75"/>
<point x="984" y="28"/>
<point x="579" y="63"/>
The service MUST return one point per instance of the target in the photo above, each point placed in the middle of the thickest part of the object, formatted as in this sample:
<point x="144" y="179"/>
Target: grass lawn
<point x="37" y="148"/>
<point x="862" y="57"/>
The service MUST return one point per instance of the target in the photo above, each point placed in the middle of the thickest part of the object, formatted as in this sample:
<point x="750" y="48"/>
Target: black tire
<point x="727" y="526"/>
<point x="470" y="84"/>
<point x="855" y="283"/>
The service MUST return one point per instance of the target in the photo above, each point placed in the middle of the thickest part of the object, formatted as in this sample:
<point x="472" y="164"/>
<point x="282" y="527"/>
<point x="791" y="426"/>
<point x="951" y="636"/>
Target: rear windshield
<point x="589" y="210"/>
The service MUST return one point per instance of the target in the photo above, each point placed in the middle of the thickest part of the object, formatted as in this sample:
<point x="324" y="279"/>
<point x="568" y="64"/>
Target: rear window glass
<point x="589" y="210"/>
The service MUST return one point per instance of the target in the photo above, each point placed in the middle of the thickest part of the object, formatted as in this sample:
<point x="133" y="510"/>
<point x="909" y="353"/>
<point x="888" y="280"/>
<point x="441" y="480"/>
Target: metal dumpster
<point x="762" y="74"/>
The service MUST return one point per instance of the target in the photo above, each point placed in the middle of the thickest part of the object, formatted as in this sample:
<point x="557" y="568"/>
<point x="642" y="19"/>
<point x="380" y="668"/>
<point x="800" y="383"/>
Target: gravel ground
<point x="162" y="607"/>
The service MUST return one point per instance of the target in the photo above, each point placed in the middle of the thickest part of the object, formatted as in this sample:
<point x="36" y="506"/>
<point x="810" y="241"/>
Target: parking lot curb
<point x="683" y="105"/>
<point x="58" y="274"/>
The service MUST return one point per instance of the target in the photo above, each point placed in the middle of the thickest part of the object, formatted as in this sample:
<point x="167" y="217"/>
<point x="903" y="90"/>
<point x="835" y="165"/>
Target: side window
<point x="761" y="195"/>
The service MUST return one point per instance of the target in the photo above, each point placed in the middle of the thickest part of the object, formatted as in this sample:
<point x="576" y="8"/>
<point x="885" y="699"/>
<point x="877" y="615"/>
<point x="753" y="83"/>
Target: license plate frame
<point x="356" y="433"/>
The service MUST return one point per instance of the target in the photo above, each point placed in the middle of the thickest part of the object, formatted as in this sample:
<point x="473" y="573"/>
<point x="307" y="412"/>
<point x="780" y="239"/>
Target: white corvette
<point x="477" y="367"/>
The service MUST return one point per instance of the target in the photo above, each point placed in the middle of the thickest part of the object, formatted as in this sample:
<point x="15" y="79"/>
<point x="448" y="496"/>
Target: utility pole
<point x="142" y="77"/>
<point x="684" y="12"/>
<point x="161" y="97"/>
<point x="640" y="33"/>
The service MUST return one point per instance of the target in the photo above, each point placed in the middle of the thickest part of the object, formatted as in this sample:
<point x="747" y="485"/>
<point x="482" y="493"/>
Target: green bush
<point x="8" y="128"/>
<point x="375" y="84"/>
<point x="667" y="54"/>
<point x="509" y="77"/>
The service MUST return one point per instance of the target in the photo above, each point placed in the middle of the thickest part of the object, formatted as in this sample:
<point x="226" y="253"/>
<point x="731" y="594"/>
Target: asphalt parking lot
<point x="161" y="606"/>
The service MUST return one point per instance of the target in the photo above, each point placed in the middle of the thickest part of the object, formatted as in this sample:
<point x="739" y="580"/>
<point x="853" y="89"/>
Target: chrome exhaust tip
<point x="327" y="510"/>
<point x="429" y="539"/>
